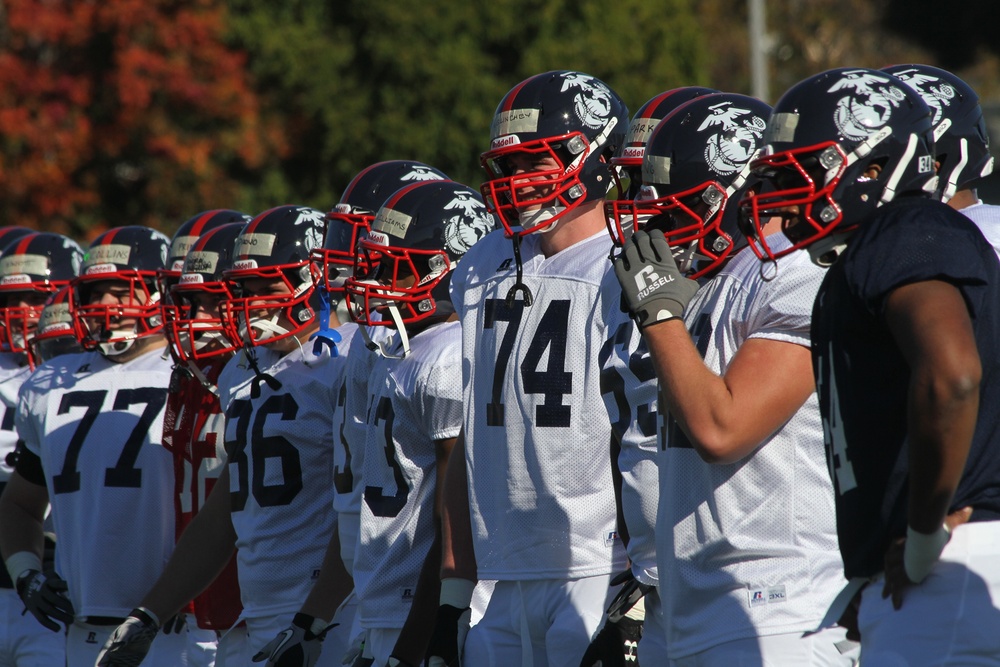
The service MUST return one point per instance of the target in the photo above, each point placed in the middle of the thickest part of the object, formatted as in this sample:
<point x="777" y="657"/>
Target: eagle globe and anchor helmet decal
<point x="961" y="142"/>
<point x="405" y="262"/>
<point x="55" y="334"/>
<point x="824" y="135"/>
<point x="569" y="119"/>
<point x="32" y="268"/>
<point x="131" y="256"/>
<point x="183" y="240"/>
<point x="276" y="245"/>
<point x="353" y="214"/>
<point x="695" y="168"/>
<point x="194" y="335"/>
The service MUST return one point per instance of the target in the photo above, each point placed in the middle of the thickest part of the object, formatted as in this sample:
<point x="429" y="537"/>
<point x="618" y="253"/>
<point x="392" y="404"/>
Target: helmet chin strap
<point x="268" y="329"/>
<point x="538" y="216"/>
<point x="383" y="348"/>
<point x="118" y="347"/>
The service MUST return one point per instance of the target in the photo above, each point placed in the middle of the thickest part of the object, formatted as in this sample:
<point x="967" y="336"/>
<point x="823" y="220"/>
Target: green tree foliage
<point x="360" y="82"/>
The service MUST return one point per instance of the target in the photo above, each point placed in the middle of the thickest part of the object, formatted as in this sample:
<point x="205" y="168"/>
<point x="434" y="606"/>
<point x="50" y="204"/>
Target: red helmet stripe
<point x="22" y="244"/>
<point x="391" y="201"/>
<point x="203" y="219"/>
<point x="508" y="102"/>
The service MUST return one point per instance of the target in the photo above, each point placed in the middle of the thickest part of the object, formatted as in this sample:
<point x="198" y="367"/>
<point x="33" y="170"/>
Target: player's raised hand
<point x="653" y="286"/>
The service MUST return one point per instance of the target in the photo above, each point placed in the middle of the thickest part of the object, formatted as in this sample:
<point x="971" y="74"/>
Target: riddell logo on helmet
<point x="633" y="152"/>
<point x="244" y="264"/>
<point x="378" y="238"/>
<point x="19" y="279"/>
<point x="503" y="142"/>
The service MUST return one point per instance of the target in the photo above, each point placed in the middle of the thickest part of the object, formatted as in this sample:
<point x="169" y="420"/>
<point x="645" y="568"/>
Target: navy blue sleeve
<point x="914" y="242"/>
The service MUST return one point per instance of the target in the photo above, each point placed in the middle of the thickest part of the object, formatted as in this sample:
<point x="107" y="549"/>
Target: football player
<point x="905" y="331"/>
<point x="349" y="220"/>
<point x="273" y="502"/>
<point x="961" y="142"/>
<point x="32" y="268"/>
<point x="92" y="426"/>
<point x="537" y="479"/>
<point x="414" y="406"/>
<point x="194" y="430"/>
<point x="694" y="201"/>
<point x="746" y="541"/>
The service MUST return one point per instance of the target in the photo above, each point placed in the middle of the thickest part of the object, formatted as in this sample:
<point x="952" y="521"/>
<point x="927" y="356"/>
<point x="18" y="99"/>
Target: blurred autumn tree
<point x="122" y="112"/>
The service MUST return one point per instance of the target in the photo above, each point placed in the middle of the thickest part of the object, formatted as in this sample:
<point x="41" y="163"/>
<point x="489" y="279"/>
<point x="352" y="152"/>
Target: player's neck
<point x="577" y="225"/>
<point x="964" y="199"/>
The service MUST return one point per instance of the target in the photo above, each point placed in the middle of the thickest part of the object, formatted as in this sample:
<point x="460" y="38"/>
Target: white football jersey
<point x="412" y="402"/>
<point x="12" y="374"/>
<point x="987" y="218"/>
<point x="280" y="447"/>
<point x="97" y="426"/>
<point x="349" y="428"/>
<point x="628" y="383"/>
<point x="537" y="440"/>
<point x="750" y="548"/>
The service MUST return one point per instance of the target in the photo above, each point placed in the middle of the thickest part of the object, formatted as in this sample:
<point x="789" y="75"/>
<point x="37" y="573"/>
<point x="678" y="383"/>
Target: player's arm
<point x="202" y="551"/>
<point x="457" y="563"/>
<point x="22" y="510"/>
<point x="726" y="417"/>
<point x="411" y="645"/>
<point x="931" y="325"/>
<point x="458" y="557"/>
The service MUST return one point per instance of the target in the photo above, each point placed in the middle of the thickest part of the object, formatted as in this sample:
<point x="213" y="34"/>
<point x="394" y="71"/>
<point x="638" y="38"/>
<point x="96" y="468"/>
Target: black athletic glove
<point x="615" y="645"/>
<point x="617" y="642"/>
<point x="129" y="643"/>
<point x="652" y="285"/>
<point x="44" y="595"/>
<point x="448" y="638"/>
<point x="298" y="645"/>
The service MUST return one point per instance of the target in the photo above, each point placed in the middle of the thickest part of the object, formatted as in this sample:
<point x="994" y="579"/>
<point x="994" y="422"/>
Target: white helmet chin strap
<point x="118" y="347"/>
<point x="266" y="329"/>
<point x="538" y="216"/>
<point x="383" y="348"/>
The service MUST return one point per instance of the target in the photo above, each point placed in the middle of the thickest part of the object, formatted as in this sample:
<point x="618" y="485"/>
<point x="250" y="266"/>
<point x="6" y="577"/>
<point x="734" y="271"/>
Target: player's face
<point x="530" y="163"/>
<point x="264" y="295"/>
<point x="112" y="294"/>
<point x="204" y="307"/>
<point x="21" y="310"/>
